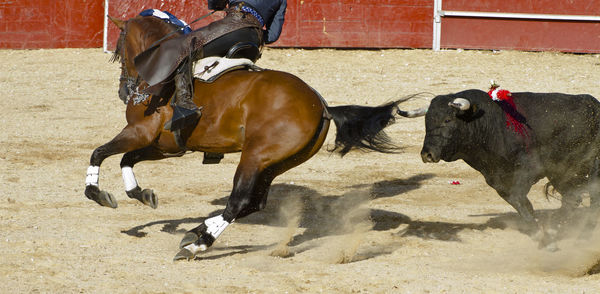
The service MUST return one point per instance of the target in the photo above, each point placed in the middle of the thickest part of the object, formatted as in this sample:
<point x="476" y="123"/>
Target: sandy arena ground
<point x="365" y="223"/>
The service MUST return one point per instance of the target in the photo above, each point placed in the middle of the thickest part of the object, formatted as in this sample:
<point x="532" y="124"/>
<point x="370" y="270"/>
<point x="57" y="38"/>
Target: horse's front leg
<point x="132" y="188"/>
<point x="249" y="195"/>
<point x="127" y="140"/>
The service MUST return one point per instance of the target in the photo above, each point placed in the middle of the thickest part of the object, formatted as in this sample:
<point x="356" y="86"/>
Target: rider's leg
<point x="185" y="111"/>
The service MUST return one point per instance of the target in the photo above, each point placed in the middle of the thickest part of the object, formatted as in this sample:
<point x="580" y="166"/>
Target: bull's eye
<point x="447" y="120"/>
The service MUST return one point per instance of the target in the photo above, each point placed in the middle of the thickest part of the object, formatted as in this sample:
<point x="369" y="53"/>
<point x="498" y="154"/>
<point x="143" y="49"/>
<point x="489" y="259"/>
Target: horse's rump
<point x="253" y="100"/>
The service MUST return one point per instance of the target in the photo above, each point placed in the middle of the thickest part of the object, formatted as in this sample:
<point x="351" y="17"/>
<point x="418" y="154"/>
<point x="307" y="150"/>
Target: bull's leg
<point x="592" y="219"/>
<point x="569" y="203"/>
<point x="519" y="201"/>
<point x="249" y="195"/>
<point x="126" y="141"/>
<point x="132" y="188"/>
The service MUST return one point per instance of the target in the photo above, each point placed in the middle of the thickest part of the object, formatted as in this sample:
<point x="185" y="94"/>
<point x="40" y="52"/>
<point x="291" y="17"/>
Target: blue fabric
<point x="272" y="12"/>
<point x="253" y="12"/>
<point x="169" y="18"/>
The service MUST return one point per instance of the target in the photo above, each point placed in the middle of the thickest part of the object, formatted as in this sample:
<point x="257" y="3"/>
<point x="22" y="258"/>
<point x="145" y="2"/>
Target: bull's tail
<point x="362" y="127"/>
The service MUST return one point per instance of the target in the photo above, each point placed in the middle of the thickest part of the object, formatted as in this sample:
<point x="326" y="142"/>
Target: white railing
<point x="438" y="13"/>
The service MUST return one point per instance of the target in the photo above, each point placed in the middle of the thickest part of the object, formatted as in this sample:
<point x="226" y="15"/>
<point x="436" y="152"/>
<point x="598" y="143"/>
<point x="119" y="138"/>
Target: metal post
<point x="105" y="33"/>
<point x="437" y="25"/>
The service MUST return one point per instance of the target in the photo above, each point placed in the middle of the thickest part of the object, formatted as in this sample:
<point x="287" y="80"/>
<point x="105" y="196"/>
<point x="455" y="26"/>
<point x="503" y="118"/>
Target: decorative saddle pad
<point x="209" y="69"/>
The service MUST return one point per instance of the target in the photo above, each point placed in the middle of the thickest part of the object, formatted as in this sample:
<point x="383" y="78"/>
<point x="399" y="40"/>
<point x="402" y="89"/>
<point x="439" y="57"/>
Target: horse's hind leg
<point x="132" y="188"/>
<point x="249" y="195"/>
<point x="128" y="140"/>
<point x="251" y="184"/>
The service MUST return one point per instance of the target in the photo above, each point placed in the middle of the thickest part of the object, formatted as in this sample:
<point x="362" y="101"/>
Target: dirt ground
<point x="365" y="223"/>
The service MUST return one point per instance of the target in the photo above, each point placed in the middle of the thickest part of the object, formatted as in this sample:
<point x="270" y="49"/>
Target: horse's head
<point x="137" y="34"/>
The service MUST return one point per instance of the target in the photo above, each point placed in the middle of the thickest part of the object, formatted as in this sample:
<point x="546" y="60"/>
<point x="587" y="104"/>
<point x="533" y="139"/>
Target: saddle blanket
<point x="209" y="69"/>
<point x="169" y="18"/>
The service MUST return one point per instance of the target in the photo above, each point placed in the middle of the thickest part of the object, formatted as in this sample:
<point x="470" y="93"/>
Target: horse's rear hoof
<point x="189" y="238"/>
<point x="184" y="254"/>
<point x="189" y="251"/>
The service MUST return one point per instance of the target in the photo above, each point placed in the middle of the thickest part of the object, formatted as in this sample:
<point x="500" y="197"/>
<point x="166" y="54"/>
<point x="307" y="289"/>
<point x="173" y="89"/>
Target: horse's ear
<point x="119" y="23"/>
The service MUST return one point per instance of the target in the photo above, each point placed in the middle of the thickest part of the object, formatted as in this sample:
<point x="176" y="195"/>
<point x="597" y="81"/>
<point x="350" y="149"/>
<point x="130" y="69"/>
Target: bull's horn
<point x="413" y="113"/>
<point x="460" y="103"/>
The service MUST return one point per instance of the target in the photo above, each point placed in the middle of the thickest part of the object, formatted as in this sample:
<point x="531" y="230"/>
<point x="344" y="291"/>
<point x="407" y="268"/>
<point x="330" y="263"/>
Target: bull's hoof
<point x="550" y="247"/>
<point x="588" y="229"/>
<point x="548" y="241"/>
<point x="101" y="197"/>
<point x="145" y="196"/>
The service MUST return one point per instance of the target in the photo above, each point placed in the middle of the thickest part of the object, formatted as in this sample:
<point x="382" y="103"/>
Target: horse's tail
<point x="362" y="127"/>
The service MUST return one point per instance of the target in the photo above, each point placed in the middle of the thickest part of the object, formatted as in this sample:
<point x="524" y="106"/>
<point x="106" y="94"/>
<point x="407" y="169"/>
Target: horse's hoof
<point x="146" y="196"/>
<point x="101" y="197"/>
<point x="106" y="199"/>
<point x="149" y="198"/>
<point x="189" y="238"/>
<point x="184" y="254"/>
<point x="189" y="251"/>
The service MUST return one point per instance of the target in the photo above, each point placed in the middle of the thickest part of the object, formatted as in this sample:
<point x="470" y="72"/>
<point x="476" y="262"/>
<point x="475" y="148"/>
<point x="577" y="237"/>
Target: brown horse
<point x="273" y="118"/>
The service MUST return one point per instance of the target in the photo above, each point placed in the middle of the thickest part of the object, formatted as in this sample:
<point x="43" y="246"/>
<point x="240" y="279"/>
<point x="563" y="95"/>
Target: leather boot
<point x="185" y="112"/>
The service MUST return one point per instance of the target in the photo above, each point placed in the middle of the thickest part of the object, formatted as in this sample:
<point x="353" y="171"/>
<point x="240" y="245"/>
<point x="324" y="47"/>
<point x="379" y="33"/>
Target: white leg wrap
<point x="128" y="178"/>
<point x="215" y="225"/>
<point x="92" y="176"/>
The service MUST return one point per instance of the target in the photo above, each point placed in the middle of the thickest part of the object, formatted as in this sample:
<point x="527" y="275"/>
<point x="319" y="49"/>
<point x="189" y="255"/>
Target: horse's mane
<point x="116" y="56"/>
<point x="147" y="24"/>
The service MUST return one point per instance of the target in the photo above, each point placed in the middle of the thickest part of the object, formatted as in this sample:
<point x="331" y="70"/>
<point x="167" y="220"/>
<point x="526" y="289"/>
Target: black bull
<point x="561" y="143"/>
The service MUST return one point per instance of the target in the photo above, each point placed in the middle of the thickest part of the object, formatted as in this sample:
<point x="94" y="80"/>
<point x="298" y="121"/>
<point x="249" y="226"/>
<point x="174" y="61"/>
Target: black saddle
<point x="247" y="50"/>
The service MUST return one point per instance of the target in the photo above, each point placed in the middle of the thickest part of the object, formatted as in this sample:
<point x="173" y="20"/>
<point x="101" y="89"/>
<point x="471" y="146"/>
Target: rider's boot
<point x="185" y="112"/>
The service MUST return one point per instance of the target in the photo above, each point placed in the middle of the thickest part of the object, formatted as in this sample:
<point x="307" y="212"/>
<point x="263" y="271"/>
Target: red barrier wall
<point x="377" y="23"/>
<point x="28" y="24"/>
<point x="518" y="34"/>
<point x="319" y="23"/>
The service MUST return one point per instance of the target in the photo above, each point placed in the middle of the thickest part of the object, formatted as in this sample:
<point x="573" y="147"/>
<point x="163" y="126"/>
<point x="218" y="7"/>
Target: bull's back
<point x="562" y="124"/>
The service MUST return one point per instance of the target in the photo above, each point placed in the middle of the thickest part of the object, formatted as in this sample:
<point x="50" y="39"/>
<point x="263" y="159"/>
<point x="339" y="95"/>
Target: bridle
<point x="131" y="83"/>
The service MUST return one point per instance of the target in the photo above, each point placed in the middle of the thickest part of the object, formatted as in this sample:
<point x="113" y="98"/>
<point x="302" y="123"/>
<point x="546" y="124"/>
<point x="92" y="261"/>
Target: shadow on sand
<point x="321" y="213"/>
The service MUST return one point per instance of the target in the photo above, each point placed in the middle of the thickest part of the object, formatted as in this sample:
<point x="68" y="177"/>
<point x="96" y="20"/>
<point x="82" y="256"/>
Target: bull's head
<point x="445" y="124"/>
